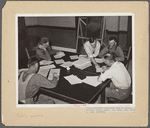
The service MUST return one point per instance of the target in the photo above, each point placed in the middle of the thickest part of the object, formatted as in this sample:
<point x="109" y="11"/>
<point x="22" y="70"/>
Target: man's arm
<point x="104" y="76"/>
<point x="45" y="56"/>
<point x="98" y="46"/>
<point x="41" y="81"/>
<point x="51" y="52"/>
<point x="120" y="54"/>
<point x="103" y="52"/>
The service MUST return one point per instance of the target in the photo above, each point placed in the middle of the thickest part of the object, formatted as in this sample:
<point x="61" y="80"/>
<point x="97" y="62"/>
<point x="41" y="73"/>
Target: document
<point x="83" y="56"/>
<point x="59" y="61"/>
<point x="74" y="57"/>
<point x="67" y="64"/>
<point x="52" y="71"/>
<point x="99" y="60"/>
<point x="45" y="62"/>
<point x="59" y="55"/>
<point x="72" y="79"/>
<point x="43" y="72"/>
<point x="91" y="80"/>
<point x="48" y="66"/>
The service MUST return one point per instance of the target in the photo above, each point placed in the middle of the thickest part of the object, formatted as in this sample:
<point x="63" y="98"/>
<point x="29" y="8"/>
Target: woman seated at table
<point x="44" y="50"/>
<point x="92" y="48"/>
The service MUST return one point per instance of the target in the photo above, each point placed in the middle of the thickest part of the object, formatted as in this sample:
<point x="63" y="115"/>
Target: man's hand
<point x="97" y="68"/>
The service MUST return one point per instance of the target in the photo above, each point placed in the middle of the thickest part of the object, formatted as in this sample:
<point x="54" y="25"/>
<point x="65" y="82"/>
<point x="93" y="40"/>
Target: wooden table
<point x="79" y="93"/>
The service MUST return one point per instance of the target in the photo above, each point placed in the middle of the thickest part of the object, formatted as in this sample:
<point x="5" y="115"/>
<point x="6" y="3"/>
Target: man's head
<point x="43" y="42"/>
<point x="109" y="59"/>
<point x="92" y="41"/>
<point x="112" y="42"/>
<point x="33" y="65"/>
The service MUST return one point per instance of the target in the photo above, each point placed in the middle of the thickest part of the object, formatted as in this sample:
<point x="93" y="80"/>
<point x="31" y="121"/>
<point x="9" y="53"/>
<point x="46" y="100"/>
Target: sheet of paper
<point x="59" y="61"/>
<point x="82" y="56"/>
<point x="48" y="66"/>
<point x="52" y="71"/>
<point x="59" y="55"/>
<point x="99" y="60"/>
<point x="73" y="57"/>
<point x="73" y="79"/>
<point x="43" y="72"/>
<point x="45" y="62"/>
<point x="91" y="80"/>
<point x="67" y="64"/>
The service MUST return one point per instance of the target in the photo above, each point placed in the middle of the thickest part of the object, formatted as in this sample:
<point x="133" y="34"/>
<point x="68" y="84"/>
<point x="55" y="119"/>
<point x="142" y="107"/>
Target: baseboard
<point x="64" y="49"/>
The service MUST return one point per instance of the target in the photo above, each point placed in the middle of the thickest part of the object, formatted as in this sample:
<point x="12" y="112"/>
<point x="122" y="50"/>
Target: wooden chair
<point x="127" y="58"/>
<point x="127" y="100"/>
<point x="31" y="52"/>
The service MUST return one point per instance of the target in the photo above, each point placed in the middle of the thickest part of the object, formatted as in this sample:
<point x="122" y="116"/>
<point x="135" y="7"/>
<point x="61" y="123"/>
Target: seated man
<point x="120" y="87"/>
<point x="44" y="50"/>
<point x="113" y="47"/>
<point x="29" y="82"/>
<point x="92" y="48"/>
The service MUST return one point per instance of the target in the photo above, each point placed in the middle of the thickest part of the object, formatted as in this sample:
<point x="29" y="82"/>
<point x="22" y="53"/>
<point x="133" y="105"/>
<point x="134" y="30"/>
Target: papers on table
<point x="52" y="71"/>
<point x="73" y="57"/>
<point x="99" y="60"/>
<point x="43" y="72"/>
<point x="73" y="79"/>
<point x="59" y="61"/>
<point x="47" y="67"/>
<point x="45" y="62"/>
<point x="59" y="55"/>
<point x="82" y="56"/>
<point x="82" y="63"/>
<point x="91" y="80"/>
<point x="67" y="64"/>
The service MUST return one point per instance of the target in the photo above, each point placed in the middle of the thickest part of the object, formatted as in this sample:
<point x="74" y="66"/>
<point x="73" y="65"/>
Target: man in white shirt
<point x="120" y="87"/>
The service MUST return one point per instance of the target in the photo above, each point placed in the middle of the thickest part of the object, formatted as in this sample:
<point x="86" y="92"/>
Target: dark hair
<point x="43" y="40"/>
<point x="91" y="39"/>
<point x="109" y="56"/>
<point x="113" y="38"/>
<point x="32" y="61"/>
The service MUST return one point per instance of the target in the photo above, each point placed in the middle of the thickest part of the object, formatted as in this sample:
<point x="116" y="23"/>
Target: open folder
<point x="52" y="71"/>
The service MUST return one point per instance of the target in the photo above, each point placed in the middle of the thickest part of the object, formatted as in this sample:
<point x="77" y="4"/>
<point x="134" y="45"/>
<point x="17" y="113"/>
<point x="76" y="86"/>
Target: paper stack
<point x="60" y="61"/>
<point x="47" y="67"/>
<point x="59" y="55"/>
<point x="73" y="57"/>
<point x="73" y="79"/>
<point x="82" y="63"/>
<point x="45" y="62"/>
<point x="67" y="64"/>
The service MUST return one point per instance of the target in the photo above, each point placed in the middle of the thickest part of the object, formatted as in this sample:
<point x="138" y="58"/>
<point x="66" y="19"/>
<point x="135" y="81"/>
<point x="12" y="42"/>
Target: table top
<point x="78" y="93"/>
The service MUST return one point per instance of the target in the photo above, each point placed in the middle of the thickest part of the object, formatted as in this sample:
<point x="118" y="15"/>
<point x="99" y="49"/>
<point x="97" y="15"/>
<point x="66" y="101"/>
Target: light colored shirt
<point x="118" y="74"/>
<point x="92" y="52"/>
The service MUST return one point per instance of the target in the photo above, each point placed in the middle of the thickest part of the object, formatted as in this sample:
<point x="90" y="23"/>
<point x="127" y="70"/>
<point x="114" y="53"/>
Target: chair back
<point x="31" y="52"/>
<point x="128" y="57"/>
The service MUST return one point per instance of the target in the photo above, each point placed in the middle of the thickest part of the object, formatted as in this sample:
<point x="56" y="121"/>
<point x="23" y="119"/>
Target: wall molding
<point x="63" y="49"/>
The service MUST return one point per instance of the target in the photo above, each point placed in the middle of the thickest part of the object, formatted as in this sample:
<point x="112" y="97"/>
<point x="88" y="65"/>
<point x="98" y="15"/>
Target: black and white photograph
<point x="77" y="59"/>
